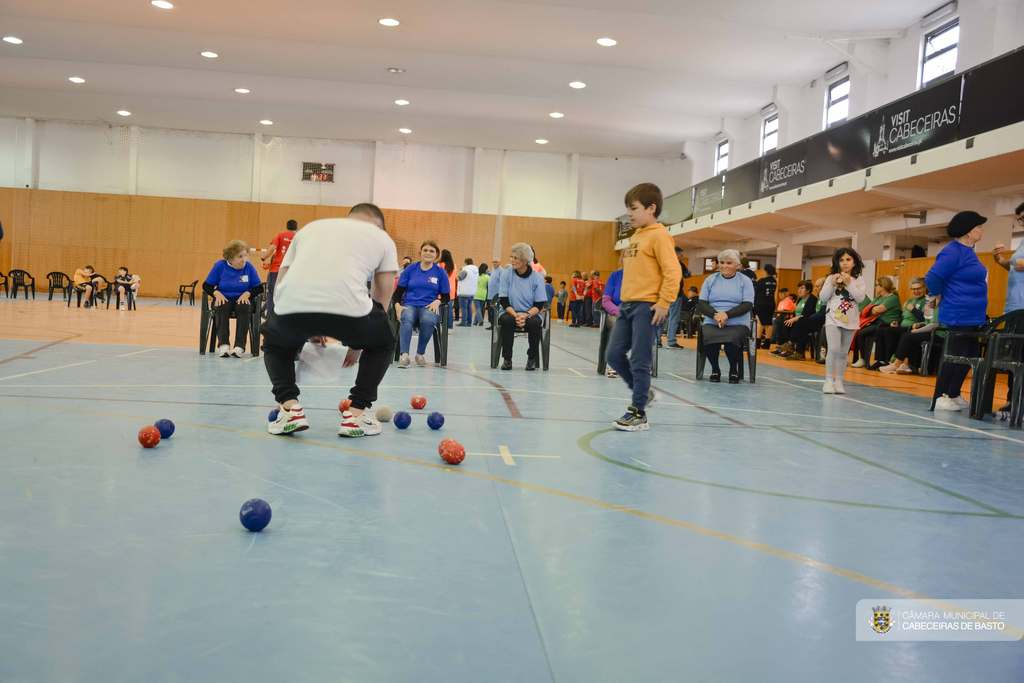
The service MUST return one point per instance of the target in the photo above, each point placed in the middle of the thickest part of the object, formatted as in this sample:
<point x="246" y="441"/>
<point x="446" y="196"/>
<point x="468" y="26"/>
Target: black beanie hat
<point x="963" y="223"/>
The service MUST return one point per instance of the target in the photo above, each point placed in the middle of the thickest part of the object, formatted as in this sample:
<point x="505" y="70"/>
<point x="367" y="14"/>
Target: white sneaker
<point x="962" y="402"/>
<point x="829" y="388"/>
<point x="288" y="421"/>
<point x="859" y="364"/>
<point x="652" y="398"/>
<point x="224" y="351"/>
<point x="838" y="387"/>
<point x="421" y="362"/>
<point x="890" y="369"/>
<point x="611" y="373"/>
<point x="946" y="403"/>
<point x="237" y="352"/>
<point x="350" y="426"/>
<point x="404" y="362"/>
<point x="370" y="426"/>
<point x="123" y="306"/>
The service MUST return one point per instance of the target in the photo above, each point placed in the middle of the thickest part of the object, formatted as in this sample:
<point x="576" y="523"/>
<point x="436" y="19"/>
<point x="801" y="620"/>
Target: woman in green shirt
<point x="480" y="300"/>
<point x="887" y="338"/>
<point x="885" y="305"/>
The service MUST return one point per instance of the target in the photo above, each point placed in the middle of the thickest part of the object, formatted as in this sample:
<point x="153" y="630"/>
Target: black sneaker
<point x="632" y="421"/>
<point x="531" y="364"/>
<point x="507" y="365"/>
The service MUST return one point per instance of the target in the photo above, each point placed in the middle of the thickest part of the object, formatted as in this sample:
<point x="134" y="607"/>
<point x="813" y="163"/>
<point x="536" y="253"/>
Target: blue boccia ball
<point x="402" y="419"/>
<point x="435" y="420"/>
<point x="273" y="415"/>
<point x="255" y="514"/>
<point x="166" y="428"/>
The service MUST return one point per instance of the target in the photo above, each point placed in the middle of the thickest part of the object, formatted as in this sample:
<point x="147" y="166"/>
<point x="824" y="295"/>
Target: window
<point x="722" y="157"/>
<point x="838" y="106"/>
<point x="940" y="50"/>
<point x="770" y="134"/>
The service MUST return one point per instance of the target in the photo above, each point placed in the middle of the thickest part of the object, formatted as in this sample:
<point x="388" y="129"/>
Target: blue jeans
<point x="427" y="320"/>
<point x="672" y="321"/>
<point x="478" y="315"/>
<point x="466" y="306"/>
<point x="634" y="334"/>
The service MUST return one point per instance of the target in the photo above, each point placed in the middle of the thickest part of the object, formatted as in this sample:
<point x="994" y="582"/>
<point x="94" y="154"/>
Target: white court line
<point x="985" y="432"/>
<point x="682" y="378"/>
<point x="36" y="372"/>
<point x="136" y="352"/>
<point x="576" y="371"/>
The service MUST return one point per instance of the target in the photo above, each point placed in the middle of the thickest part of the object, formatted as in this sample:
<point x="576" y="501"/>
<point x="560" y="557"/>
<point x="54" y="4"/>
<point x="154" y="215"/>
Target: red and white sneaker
<point x="288" y="421"/>
<point x="350" y="425"/>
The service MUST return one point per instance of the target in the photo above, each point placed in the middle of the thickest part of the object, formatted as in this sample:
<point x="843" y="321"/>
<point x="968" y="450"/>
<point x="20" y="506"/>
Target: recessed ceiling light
<point x="542" y="141"/>
<point x="401" y="103"/>
<point x="577" y="85"/>
<point x="388" y="22"/>
<point x="162" y="4"/>
<point x="404" y="130"/>
<point x="12" y="40"/>
<point x="556" y="114"/>
<point x="209" y="55"/>
<point x="243" y="91"/>
<point x="267" y="122"/>
<point x="124" y="113"/>
<point x="76" y="79"/>
<point x="606" y="42"/>
<point x="396" y="70"/>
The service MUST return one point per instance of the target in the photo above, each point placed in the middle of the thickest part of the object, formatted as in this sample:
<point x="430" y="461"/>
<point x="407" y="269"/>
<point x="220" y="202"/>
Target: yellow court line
<point x="576" y="371"/>
<point x="506" y="456"/>
<point x="28" y="493"/>
<point x="682" y="378"/>
<point x="136" y="352"/>
<point x="472" y="367"/>
<point x="711" y="533"/>
<point x="36" y="372"/>
<point x="247" y="360"/>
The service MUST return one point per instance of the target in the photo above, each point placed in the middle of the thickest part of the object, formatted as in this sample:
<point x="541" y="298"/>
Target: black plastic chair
<point x="208" y="326"/>
<point x="61" y="281"/>
<point x="605" y="331"/>
<point x="545" y="339"/>
<point x="1004" y="353"/>
<point x="927" y="350"/>
<point x="749" y="345"/>
<point x="129" y="296"/>
<point x="982" y="337"/>
<point x="189" y="291"/>
<point x="79" y="292"/>
<point x="21" y="279"/>
<point x="3" y="283"/>
<point x="439" y="338"/>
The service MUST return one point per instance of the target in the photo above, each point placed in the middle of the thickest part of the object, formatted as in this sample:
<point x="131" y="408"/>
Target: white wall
<point x="604" y="181"/>
<point x="423" y="177"/>
<point x="8" y="152"/>
<point x="87" y="158"/>
<point x="280" y="165"/>
<point x="175" y="163"/>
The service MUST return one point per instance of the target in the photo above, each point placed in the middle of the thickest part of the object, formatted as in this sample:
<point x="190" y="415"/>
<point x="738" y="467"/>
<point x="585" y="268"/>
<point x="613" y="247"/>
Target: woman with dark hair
<point x="886" y="309"/>
<point x="448" y="263"/>
<point x="418" y="297"/>
<point x="764" y="303"/>
<point x="843" y="290"/>
<point x="726" y="298"/>
<point x="480" y="299"/>
<point x="745" y="269"/>
<point x="960" y="281"/>
<point x="782" y="328"/>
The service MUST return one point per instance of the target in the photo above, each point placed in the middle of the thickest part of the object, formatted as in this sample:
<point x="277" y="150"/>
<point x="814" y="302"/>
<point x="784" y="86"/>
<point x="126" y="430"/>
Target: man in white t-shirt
<point x="321" y="292"/>
<point x="468" y="278"/>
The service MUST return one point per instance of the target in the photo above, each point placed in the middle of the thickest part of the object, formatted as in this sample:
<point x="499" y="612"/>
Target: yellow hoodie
<point x="651" y="271"/>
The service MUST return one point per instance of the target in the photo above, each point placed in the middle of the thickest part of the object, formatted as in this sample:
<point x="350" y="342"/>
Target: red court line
<point x="26" y="356"/>
<point x="509" y="403"/>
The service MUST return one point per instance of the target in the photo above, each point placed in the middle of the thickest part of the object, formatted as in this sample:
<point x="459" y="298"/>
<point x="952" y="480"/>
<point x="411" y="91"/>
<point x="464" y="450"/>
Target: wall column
<point x="257" y="167"/>
<point x="26" y="162"/>
<point x="133" y="159"/>
<point x="1003" y="38"/>
<point x="789" y="256"/>
<point x="869" y="245"/>
<point x="378" y="169"/>
<point x="998" y="229"/>
<point x="572" y="186"/>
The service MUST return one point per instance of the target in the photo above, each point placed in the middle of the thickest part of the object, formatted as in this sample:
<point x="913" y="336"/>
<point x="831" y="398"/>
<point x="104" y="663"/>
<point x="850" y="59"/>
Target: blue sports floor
<point x="731" y="542"/>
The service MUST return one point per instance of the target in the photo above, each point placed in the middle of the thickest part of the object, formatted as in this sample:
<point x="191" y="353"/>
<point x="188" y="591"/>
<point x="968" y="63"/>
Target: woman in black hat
<point x="960" y="281"/>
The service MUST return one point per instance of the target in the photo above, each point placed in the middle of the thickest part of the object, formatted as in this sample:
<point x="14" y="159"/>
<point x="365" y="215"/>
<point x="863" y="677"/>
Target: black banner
<point x="677" y="208"/>
<point x="625" y="229"/>
<point x="741" y="184"/>
<point x="993" y="95"/>
<point x="784" y="169"/>
<point x="922" y="121"/>
<point x="707" y="197"/>
<point x="838" y="151"/>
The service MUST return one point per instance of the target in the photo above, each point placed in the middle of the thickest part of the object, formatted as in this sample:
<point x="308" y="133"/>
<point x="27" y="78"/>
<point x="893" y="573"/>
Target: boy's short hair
<point x="562" y="282"/>
<point x="370" y="211"/>
<point x="646" y="194"/>
<point x="694" y="289"/>
<point x="122" y="268"/>
<point x="293" y="224"/>
<point x="548" y="279"/>
<point x="597" y="273"/>
<point x="783" y="289"/>
<point x="469" y="261"/>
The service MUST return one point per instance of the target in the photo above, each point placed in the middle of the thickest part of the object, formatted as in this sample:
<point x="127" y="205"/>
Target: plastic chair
<point x="21" y="278"/>
<point x="1003" y="354"/>
<point x="926" y="351"/>
<point x="749" y="345"/>
<point x="602" y="348"/>
<point x="545" y="339"/>
<point x="61" y="281"/>
<point x="3" y="283"/>
<point x="129" y="297"/>
<point x="208" y="326"/>
<point x="439" y="338"/>
<point x="982" y="336"/>
<point x="105" y="288"/>
<point x="189" y="291"/>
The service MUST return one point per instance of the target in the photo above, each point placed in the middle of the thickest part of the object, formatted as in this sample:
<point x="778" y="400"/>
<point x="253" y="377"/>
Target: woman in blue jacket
<point x="233" y="283"/>
<point x="960" y="280"/>
<point x="422" y="288"/>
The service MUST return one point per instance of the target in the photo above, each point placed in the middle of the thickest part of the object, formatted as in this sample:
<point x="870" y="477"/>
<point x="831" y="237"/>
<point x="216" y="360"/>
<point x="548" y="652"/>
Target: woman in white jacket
<point x="843" y="291"/>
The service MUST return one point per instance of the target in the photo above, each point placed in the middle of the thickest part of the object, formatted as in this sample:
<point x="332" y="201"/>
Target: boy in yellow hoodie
<point x="650" y="283"/>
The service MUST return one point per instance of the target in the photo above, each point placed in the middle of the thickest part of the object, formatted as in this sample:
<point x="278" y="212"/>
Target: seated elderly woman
<point x="232" y="283"/>
<point x="908" y="354"/>
<point x="522" y="297"/>
<point x="887" y="338"/>
<point x="727" y="297"/>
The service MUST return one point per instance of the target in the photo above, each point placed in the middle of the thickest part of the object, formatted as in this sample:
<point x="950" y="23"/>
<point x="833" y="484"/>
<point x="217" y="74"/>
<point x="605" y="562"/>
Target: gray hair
<point x="523" y="250"/>
<point x="729" y="254"/>
<point x="917" y="281"/>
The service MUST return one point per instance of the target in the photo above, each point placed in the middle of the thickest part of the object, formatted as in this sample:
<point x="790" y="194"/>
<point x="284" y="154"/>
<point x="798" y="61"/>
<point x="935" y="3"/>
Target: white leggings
<point x="839" y="340"/>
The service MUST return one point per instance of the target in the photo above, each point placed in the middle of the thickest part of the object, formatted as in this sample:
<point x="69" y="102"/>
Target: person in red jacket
<point x="576" y="289"/>
<point x="278" y="248"/>
<point x="596" y="292"/>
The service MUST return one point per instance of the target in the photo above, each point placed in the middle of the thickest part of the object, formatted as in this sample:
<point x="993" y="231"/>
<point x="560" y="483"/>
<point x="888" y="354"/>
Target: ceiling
<point x="479" y="73"/>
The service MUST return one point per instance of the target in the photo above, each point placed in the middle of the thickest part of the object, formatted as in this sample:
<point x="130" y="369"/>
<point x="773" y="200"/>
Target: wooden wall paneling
<point x="563" y="245"/>
<point x="789" y="278"/>
<point x="273" y="218"/>
<point x="333" y="212"/>
<point x="997" y="278"/>
<point x="820" y="272"/>
<point x="162" y="232"/>
<point x="7" y="210"/>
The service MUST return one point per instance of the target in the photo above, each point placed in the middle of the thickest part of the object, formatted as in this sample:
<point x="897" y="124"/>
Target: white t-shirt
<point x="467" y="285"/>
<point x="328" y="265"/>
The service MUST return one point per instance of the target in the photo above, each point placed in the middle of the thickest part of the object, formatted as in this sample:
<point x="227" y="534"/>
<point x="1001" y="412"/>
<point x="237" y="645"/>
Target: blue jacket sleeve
<point x="945" y="264"/>
<point x="705" y="288"/>
<point x="504" y="287"/>
<point x="214" y="277"/>
<point x="748" y="290"/>
<point x="254" y="275"/>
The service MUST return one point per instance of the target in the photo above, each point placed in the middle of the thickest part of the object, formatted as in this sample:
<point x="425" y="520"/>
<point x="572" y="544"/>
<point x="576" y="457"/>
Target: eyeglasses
<point x="1019" y="219"/>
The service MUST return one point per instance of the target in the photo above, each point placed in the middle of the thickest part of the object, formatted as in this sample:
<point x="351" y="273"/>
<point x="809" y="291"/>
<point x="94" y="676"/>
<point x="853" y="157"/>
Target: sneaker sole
<point x="286" y="432"/>
<point x="351" y="433"/>
<point x="632" y="428"/>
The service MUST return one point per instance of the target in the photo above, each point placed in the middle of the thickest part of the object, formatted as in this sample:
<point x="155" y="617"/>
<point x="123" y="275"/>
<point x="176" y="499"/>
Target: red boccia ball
<point x="419" y="402"/>
<point x="149" y="436"/>
<point x="452" y="452"/>
<point x="345" y="404"/>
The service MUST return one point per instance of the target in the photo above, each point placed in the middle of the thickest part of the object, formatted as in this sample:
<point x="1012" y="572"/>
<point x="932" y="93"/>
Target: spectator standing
<point x="596" y="294"/>
<point x="468" y="277"/>
<point x="562" y="296"/>
<point x="448" y="263"/>
<point x="480" y="299"/>
<point x="843" y="291"/>
<point x="276" y="253"/>
<point x="493" y="287"/>
<point x="577" y="286"/>
<point x="764" y="303"/>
